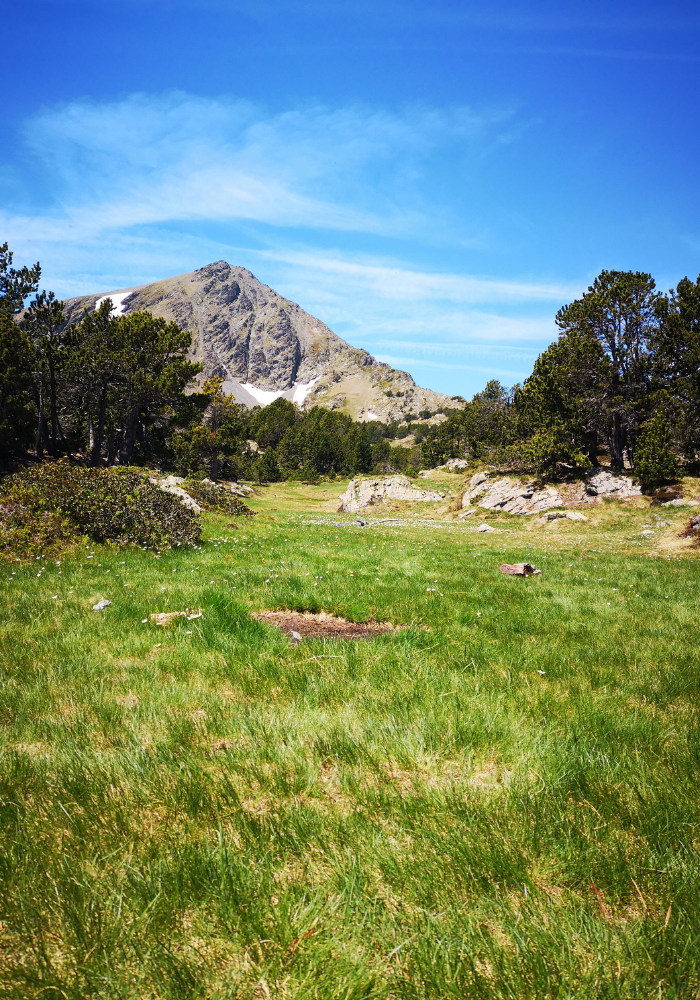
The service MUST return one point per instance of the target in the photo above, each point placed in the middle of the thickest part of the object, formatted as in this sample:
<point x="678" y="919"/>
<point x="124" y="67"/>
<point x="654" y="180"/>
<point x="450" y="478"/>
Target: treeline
<point x="279" y="441"/>
<point x="121" y="390"/>
<point x="623" y="378"/>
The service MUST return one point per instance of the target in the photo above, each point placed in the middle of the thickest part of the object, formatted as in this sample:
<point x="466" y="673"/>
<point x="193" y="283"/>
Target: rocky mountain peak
<point x="265" y="346"/>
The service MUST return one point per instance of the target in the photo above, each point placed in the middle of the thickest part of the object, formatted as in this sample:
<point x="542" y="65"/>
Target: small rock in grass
<point x="101" y="605"/>
<point x="574" y="515"/>
<point x="485" y="527"/>
<point x="296" y="636"/>
<point x="520" y="569"/>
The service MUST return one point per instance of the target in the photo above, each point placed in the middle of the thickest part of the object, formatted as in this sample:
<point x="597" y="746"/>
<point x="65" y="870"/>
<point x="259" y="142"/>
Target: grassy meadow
<point x="501" y="800"/>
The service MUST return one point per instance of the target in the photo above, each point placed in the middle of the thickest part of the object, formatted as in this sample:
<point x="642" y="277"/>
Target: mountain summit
<point x="264" y="346"/>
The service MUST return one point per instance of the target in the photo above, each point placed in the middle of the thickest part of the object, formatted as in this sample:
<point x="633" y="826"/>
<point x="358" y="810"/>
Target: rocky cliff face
<point x="265" y="346"/>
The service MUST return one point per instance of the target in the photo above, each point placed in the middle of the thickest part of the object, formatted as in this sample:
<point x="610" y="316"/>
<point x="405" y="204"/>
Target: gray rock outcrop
<point x="238" y="489"/>
<point x="510" y="496"/>
<point x="175" y="486"/>
<point x="369" y="492"/>
<point x="171" y="484"/>
<point x="514" y="497"/>
<point x="604" y="483"/>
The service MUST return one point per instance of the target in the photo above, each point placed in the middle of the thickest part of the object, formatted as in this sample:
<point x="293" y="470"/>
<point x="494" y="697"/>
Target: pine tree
<point x="17" y="409"/>
<point x="619" y="318"/>
<point x="153" y="374"/>
<point x="308" y="473"/>
<point x="15" y="284"/>
<point x="547" y="418"/>
<point x="267" y="467"/>
<point x="654" y="460"/>
<point x="43" y="322"/>
<point x="216" y="440"/>
<point x="17" y="406"/>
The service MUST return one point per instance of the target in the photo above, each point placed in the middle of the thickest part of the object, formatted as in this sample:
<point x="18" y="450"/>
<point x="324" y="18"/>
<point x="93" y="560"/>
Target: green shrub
<point x="26" y="530"/>
<point x="111" y="504"/>
<point x="213" y="497"/>
<point x="654" y="460"/>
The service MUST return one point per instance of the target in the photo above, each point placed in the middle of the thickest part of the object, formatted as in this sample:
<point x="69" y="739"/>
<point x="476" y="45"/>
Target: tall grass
<point x="500" y="801"/>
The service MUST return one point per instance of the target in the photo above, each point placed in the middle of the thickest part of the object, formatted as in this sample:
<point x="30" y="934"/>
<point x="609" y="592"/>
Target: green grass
<point x="499" y="801"/>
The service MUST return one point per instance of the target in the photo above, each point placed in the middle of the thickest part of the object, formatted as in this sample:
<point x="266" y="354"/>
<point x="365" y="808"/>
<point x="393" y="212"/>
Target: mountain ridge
<point x="265" y="346"/>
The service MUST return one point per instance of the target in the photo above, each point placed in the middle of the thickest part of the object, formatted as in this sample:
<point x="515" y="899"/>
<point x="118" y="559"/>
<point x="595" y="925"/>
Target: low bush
<point x="56" y="501"/>
<point x="654" y="460"/>
<point x="217" y="498"/>
<point x="26" y="530"/>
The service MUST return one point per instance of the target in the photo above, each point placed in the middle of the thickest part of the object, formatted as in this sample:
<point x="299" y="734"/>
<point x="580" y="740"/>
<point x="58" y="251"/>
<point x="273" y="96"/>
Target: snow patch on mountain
<point x="302" y="390"/>
<point x="263" y="396"/>
<point x="297" y="394"/>
<point x="117" y="301"/>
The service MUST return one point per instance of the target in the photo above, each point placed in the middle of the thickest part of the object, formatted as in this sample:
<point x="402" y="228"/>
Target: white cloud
<point x="157" y="159"/>
<point x="151" y="186"/>
<point x="391" y="281"/>
<point x="414" y="363"/>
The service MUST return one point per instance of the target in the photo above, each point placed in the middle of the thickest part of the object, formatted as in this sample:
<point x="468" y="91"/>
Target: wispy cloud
<point x="412" y="363"/>
<point x="387" y="279"/>
<point x="148" y="160"/>
<point x="434" y="325"/>
<point x="151" y="185"/>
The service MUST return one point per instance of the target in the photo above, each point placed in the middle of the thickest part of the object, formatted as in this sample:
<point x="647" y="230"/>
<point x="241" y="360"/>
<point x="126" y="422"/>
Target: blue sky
<point x="431" y="180"/>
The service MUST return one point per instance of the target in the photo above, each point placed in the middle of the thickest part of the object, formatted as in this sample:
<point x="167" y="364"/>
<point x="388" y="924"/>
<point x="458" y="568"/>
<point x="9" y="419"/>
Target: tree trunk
<point x="96" y="439"/>
<point x="214" y="451"/>
<point x="129" y="436"/>
<point x="111" y="448"/>
<point x="617" y="444"/>
<point x="53" y="410"/>
<point x="592" y="447"/>
<point x="40" y="428"/>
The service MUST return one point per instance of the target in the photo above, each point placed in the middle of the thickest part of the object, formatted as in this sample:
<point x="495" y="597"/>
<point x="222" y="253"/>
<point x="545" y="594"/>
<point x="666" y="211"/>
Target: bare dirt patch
<point x="302" y="625"/>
